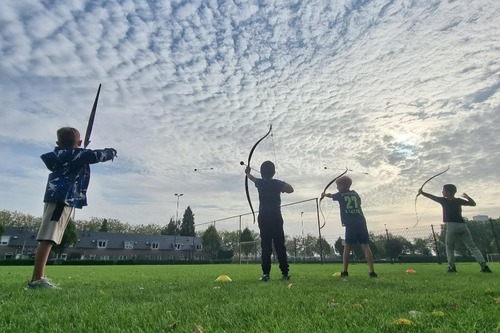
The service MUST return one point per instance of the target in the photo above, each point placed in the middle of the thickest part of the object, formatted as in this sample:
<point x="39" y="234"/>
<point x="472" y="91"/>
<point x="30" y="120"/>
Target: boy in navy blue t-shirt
<point x="270" y="219"/>
<point x="354" y="221"/>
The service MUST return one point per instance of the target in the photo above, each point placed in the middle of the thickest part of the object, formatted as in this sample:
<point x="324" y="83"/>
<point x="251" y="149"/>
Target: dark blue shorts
<point x="356" y="233"/>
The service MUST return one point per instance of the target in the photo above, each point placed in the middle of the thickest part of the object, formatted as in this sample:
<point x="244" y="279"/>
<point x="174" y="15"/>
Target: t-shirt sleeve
<point x="336" y="196"/>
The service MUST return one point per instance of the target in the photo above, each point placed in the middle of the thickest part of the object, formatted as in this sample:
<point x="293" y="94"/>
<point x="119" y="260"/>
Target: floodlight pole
<point x="177" y="211"/>
<point x="303" y="247"/>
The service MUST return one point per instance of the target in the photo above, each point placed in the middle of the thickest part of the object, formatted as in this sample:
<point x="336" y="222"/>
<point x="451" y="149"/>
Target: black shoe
<point x="264" y="278"/>
<point x="485" y="269"/>
<point x="373" y="275"/>
<point x="344" y="274"/>
<point x="285" y="277"/>
<point x="452" y="269"/>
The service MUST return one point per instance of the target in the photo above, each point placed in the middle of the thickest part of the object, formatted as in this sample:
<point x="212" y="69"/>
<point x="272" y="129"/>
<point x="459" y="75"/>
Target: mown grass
<point x="185" y="298"/>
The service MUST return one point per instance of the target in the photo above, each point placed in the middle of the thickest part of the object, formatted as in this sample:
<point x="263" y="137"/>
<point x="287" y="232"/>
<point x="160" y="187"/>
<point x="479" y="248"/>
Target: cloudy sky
<point x="394" y="90"/>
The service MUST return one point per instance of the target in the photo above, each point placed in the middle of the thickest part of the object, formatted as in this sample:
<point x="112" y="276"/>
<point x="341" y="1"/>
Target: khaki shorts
<point x="54" y="221"/>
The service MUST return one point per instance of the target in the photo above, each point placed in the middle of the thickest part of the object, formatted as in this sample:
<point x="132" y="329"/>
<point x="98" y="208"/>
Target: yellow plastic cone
<point x="223" y="278"/>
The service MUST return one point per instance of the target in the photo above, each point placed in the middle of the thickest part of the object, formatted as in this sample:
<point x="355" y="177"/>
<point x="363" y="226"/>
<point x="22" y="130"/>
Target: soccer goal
<point x="492" y="257"/>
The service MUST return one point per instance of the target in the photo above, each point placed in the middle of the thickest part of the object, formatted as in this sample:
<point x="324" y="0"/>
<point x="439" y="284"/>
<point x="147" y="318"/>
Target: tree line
<point x="225" y="244"/>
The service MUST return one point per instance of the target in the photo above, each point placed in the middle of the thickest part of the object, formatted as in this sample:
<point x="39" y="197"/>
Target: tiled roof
<point x="88" y="239"/>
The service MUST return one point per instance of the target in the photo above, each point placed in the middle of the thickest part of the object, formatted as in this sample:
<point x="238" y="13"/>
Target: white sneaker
<point x="43" y="283"/>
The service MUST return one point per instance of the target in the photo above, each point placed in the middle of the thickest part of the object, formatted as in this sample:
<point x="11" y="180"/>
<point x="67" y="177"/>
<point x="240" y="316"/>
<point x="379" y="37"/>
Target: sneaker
<point x="285" y="277"/>
<point x="373" y="275"/>
<point x="264" y="278"/>
<point x="486" y="269"/>
<point x="43" y="283"/>
<point x="344" y="274"/>
<point x="452" y="269"/>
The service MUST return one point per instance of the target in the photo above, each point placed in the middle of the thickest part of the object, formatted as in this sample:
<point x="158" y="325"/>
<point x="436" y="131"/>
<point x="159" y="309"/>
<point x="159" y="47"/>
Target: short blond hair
<point x="344" y="181"/>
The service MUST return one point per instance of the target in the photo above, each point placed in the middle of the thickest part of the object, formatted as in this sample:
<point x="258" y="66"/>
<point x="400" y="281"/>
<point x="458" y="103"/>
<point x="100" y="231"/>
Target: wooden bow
<point x="248" y="164"/>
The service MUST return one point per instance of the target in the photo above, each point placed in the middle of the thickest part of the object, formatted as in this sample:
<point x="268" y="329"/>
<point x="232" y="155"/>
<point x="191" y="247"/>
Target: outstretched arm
<point x="249" y="175"/>
<point x="328" y="195"/>
<point x="428" y="195"/>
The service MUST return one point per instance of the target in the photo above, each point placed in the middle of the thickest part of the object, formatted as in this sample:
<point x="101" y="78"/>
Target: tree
<point x="322" y="246"/>
<point x="230" y="239"/>
<point x="375" y="249"/>
<point x="172" y="228"/>
<point x="423" y="246"/>
<point x="2" y="229"/>
<point x="292" y="246"/>
<point x="378" y="242"/>
<point x="187" y="225"/>
<point x="16" y="219"/>
<point x="97" y="223"/>
<point x="310" y="245"/>
<point x="339" y="246"/>
<point x="104" y="226"/>
<point x="245" y="238"/>
<point x="70" y="237"/>
<point x="393" y="247"/>
<point x="211" y="240"/>
<point x="149" y="229"/>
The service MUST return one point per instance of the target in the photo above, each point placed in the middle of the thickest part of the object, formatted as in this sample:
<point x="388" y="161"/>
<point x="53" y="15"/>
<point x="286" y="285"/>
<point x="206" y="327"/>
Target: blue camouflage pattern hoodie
<point x="70" y="176"/>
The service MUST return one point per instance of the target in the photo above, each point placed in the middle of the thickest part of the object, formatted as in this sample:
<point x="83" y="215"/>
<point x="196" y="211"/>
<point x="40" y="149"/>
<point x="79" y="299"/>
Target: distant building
<point x="480" y="218"/>
<point x="18" y="242"/>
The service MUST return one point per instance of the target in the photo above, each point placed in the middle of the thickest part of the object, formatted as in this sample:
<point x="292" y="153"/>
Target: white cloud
<point x="394" y="89"/>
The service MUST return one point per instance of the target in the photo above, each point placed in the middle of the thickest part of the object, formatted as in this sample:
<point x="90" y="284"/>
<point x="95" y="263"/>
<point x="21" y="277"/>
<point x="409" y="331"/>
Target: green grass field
<point x="185" y="298"/>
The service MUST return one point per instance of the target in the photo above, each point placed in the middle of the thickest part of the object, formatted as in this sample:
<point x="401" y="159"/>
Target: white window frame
<point x="177" y="246"/>
<point x="155" y="245"/>
<point x="102" y="243"/>
<point x="129" y="245"/>
<point x="5" y="240"/>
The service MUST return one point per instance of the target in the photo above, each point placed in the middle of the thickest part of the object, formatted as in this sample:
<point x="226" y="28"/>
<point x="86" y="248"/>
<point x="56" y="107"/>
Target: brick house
<point x="18" y="242"/>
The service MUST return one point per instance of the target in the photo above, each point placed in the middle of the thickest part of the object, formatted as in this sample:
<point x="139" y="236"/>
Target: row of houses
<point x="21" y="243"/>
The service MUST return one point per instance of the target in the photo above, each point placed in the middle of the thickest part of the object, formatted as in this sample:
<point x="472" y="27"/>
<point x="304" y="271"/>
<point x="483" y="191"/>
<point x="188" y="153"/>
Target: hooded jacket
<point x="70" y="173"/>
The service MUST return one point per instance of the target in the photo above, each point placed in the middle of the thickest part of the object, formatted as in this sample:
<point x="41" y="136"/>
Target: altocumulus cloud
<point x="394" y="90"/>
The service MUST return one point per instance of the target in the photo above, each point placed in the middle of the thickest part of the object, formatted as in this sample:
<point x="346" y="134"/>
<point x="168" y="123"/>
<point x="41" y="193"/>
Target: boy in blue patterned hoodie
<point x="66" y="190"/>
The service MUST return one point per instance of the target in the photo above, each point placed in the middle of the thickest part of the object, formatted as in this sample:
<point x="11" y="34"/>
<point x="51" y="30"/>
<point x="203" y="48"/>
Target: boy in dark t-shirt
<point x="354" y="221"/>
<point x="456" y="229"/>
<point x="270" y="219"/>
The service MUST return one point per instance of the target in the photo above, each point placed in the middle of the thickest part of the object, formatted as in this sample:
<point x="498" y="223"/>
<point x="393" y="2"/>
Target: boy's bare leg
<point x="369" y="256"/>
<point x="41" y="257"/>
<point x="345" y="256"/>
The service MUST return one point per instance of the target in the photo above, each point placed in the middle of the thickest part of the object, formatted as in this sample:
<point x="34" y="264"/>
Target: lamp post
<point x="178" y="195"/>
<point x="303" y="248"/>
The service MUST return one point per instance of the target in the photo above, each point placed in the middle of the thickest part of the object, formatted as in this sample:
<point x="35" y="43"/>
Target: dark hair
<point x="450" y="188"/>
<point x="67" y="137"/>
<point x="345" y="181"/>
<point x="267" y="170"/>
